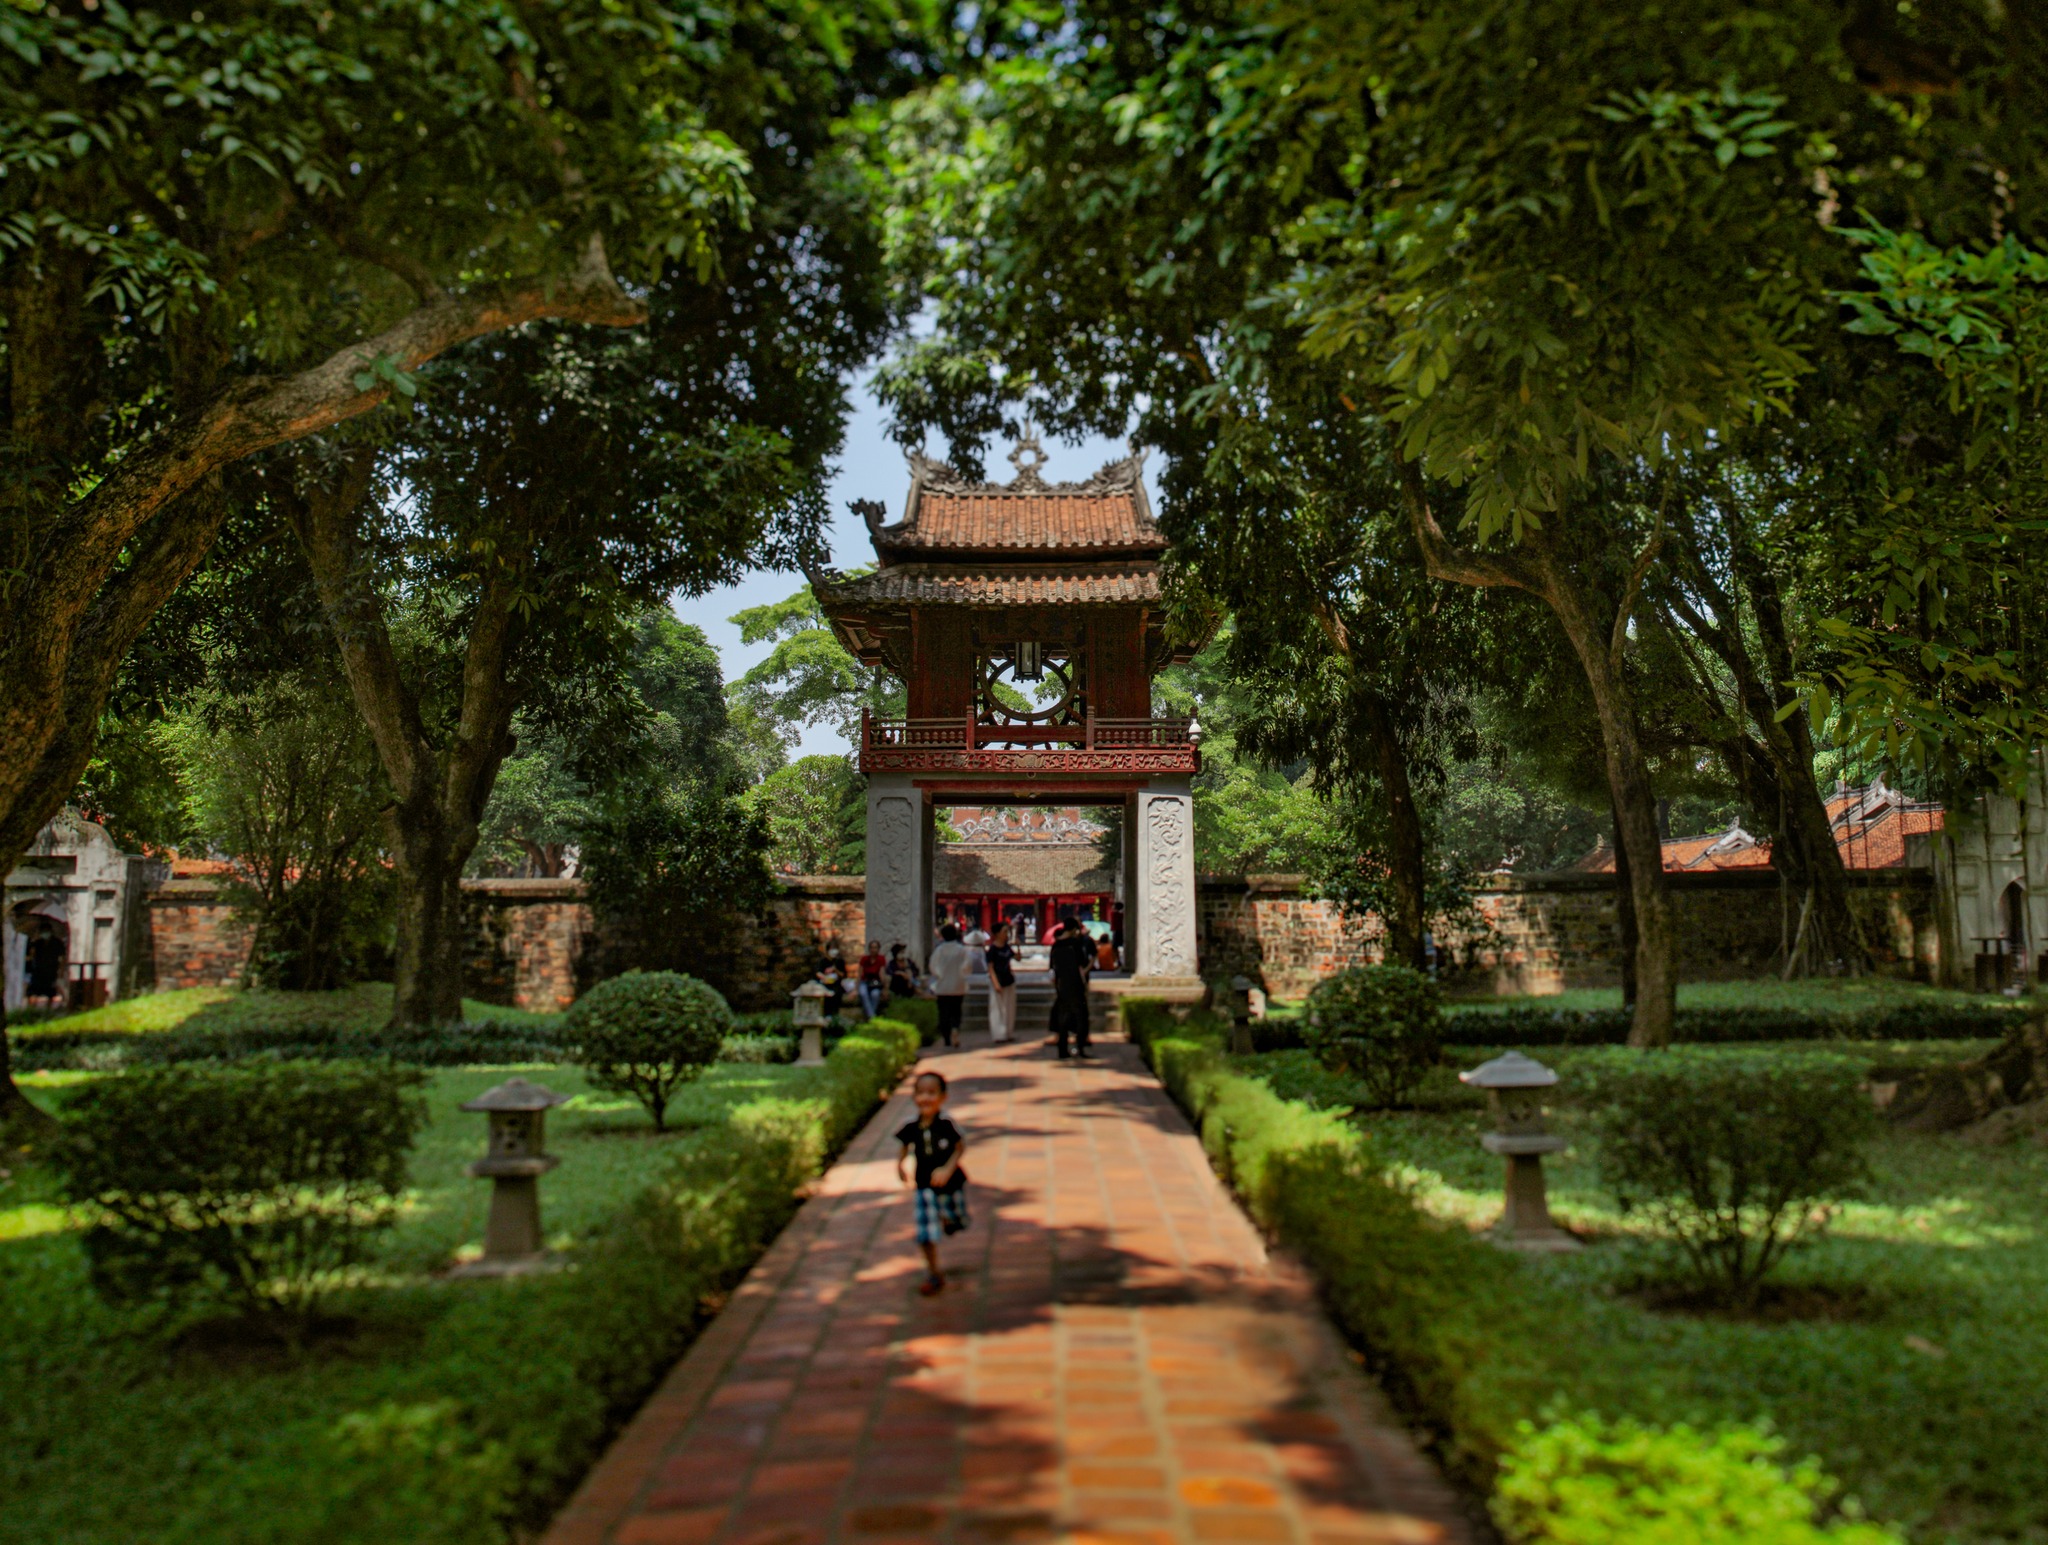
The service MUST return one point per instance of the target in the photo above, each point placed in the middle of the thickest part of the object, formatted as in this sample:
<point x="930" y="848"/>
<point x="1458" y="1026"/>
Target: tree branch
<point x="254" y="414"/>
<point x="325" y="519"/>
<point x="1486" y="570"/>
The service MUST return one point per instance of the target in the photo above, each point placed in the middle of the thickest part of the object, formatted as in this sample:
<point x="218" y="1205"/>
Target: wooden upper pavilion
<point x="988" y="596"/>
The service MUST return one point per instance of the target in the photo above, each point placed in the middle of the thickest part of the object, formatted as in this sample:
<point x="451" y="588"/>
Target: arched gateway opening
<point x="1024" y="619"/>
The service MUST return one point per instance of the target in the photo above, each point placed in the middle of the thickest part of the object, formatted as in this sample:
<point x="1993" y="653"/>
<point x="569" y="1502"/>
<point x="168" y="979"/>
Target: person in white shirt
<point x="950" y="964"/>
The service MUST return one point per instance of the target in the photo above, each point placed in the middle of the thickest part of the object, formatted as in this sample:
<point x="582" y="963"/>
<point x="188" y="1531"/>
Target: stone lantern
<point x="807" y="1009"/>
<point x="1514" y="1086"/>
<point x="514" y="1164"/>
<point x="1241" y="1015"/>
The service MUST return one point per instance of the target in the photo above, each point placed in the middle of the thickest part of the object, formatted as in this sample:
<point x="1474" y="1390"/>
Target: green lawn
<point x="1917" y="1368"/>
<point x="107" y="1435"/>
<point x="366" y="1005"/>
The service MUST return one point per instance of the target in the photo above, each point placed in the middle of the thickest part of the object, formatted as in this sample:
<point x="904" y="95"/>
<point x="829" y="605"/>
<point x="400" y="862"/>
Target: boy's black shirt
<point x="933" y="1146"/>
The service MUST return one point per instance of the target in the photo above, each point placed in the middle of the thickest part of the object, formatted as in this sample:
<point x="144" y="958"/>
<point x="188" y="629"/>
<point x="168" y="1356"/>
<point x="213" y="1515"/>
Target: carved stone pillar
<point x="899" y="894"/>
<point x="1160" y="922"/>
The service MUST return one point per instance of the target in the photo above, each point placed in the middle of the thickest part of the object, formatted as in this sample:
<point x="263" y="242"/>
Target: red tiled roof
<point x="942" y="585"/>
<point x="1037" y="522"/>
<point x="1028" y="517"/>
<point x="1871" y="825"/>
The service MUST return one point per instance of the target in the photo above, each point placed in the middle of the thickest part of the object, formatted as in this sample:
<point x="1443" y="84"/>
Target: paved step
<point x="1115" y="1360"/>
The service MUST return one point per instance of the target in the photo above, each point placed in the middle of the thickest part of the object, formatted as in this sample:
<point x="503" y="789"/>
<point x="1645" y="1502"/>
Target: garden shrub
<point x="1587" y="1482"/>
<point x="921" y="1012"/>
<point x="255" y="1186"/>
<point x="645" y="1034"/>
<point x="1383" y="1025"/>
<point x="1733" y="1162"/>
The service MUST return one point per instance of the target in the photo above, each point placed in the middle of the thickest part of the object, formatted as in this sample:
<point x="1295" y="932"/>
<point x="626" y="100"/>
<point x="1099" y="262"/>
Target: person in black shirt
<point x="1002" y="984"/>
<point x="1070" y="955"/>
<point x="937" y="1147"/>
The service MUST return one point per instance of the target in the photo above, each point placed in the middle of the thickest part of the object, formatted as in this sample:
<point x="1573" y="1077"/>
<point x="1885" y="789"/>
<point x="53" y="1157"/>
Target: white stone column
<point x="899" y="894"/>
<point x="1160" y="920"/>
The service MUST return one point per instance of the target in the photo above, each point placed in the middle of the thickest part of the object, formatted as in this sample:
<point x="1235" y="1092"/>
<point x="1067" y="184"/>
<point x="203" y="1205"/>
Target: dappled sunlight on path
<point x="1115" y="1359"/>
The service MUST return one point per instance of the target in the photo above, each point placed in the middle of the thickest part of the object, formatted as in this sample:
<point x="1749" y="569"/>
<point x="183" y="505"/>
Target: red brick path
<point x="1115" y="1360"/>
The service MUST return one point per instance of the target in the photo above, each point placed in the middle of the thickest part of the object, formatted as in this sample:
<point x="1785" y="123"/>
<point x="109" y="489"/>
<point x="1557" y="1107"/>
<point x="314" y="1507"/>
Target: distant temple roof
<point x="1871" y="825"/>
<point x="1026" y="519"/>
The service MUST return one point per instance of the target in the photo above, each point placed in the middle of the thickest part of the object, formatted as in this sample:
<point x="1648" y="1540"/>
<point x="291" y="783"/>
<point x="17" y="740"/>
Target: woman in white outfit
<point x="1002" y="984"/>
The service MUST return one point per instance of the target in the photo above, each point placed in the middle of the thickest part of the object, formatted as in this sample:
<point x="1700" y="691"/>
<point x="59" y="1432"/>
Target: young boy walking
<point x="937" y="1147"/>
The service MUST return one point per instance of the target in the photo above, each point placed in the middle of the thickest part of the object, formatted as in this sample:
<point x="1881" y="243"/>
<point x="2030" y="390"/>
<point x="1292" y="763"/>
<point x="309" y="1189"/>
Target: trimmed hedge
<point x="1474" y="1344"/>
<point x="113" y="1051"/>
<point x="1527" y="1025"/>
<point x="255" y="1186"/>
<point x="475" y="1444"/>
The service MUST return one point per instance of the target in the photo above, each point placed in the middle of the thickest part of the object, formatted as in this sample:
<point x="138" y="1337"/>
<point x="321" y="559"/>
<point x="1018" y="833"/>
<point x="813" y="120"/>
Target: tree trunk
<point x="1803" y="845"/>
<point x="1407" y="859"/>
<point x="1635" y="808"/>
<point x="427" y="860"/>
<point x="1626" y="937"/>
<point x="441" y="790"/>
<point x="1538" y="569"/>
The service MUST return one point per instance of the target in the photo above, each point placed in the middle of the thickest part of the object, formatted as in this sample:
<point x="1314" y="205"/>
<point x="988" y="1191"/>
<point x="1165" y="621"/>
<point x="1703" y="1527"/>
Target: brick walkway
<point x="1116" y="1361"/>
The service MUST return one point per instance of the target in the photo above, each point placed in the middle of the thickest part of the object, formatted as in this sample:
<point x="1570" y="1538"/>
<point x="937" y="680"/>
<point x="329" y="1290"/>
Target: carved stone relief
<point x="1169" y="887"/>
<point x="892" y="870"/>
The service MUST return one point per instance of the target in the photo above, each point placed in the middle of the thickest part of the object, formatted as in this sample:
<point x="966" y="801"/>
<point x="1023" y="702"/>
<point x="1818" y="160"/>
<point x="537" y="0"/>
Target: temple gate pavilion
<point x="1024" y="619"/>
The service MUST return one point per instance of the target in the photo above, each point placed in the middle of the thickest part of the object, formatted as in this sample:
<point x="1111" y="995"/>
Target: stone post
<point x="1160" y="918"/>
<point x="899" y="878"/>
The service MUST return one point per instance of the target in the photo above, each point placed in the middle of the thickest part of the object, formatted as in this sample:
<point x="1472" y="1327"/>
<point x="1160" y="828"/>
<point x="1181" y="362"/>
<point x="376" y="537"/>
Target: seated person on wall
<point x="902" y="974"/>
<point x="830" y="974"/>
<point x="873" y="968"/>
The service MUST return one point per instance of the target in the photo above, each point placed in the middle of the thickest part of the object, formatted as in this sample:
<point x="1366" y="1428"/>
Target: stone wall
<point x="1547" y="933"/>
<point x="195" y="939"/>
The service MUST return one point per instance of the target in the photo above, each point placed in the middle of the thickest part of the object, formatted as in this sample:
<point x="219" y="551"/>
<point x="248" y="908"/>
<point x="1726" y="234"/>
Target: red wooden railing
<point x="967" y="733"/>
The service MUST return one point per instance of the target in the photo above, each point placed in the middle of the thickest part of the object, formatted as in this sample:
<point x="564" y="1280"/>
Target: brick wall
<point x="195" y="939"/>
<point x="529" y="942"/>
<point x="534" y="944"/>
<point x="1547" y="933"/>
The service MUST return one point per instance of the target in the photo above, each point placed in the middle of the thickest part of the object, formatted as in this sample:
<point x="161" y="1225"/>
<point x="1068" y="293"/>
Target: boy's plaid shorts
<point x="940" y="1212"/>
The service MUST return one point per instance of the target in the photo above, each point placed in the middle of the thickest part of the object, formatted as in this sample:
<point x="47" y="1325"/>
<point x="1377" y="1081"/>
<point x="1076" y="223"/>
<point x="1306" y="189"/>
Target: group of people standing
<point x="1073" y="957"/>
<point x="877" y="978"/>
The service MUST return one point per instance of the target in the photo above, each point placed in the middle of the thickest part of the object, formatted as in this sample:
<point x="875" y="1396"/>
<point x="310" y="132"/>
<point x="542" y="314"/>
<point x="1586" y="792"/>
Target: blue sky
<point x="870" y="467"/>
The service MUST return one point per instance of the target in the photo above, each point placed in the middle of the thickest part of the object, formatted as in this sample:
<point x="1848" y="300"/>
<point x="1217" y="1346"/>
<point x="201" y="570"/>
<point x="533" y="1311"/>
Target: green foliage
<point x="1381" y="1024"/>
<point x="921" y="1013"/>
<point x="647" y="1033"/>
<point x="256" y="1186"/>
<point x="808" y="677"/>
<point x="1587" y="1482"/>
<point x="816" y="812"/>
<point x="1472" y="1340"/>
<point x="1734" y="1164"/>
<point x="420" y="1427"/>
<point x="675" y="878"/>
<point x="289" y="791"/>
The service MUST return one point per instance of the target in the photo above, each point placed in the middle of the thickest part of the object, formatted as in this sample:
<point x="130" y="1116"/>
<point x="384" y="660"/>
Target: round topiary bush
<point x="1382" y="1025"/>
<point x="647" y="1033"/>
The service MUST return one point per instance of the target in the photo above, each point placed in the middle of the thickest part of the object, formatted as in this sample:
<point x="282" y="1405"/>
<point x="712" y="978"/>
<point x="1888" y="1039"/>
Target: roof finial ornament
<point x="1027" y="458"/>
